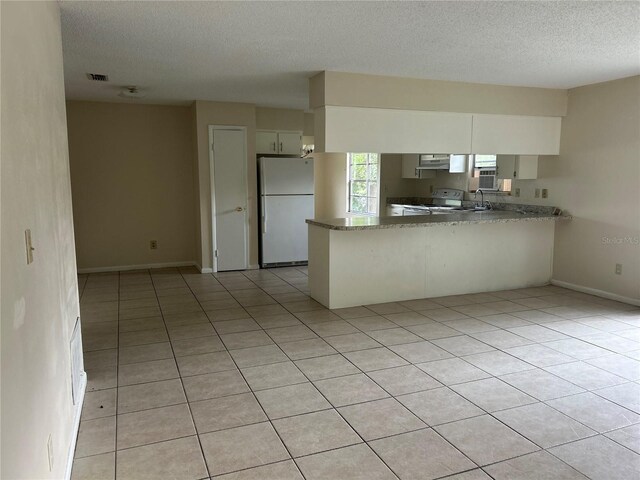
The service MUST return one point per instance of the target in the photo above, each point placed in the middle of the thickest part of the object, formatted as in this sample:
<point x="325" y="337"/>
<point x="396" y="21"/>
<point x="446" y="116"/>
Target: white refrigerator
<point x="286" y="201"/>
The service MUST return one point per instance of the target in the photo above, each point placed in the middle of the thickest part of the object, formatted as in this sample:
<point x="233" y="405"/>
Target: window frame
<point x="367" y="183"/>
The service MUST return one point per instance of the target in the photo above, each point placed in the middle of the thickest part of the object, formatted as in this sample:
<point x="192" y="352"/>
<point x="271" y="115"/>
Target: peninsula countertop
<point x="448" y="219"/>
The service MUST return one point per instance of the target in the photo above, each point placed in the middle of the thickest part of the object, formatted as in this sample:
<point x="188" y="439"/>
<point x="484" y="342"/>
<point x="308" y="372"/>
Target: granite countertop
<point x="448" y="219"/>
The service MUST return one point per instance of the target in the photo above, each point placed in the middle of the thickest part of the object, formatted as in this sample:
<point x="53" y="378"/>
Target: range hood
<point x="434" y="161"/>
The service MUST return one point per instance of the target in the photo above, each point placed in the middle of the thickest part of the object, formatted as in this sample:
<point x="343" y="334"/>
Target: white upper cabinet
<point x="410" y="162"/>
<point x="379" y="130"/>
<point x="514" y="134"/>
<point x="517" y="167"/>
<point x="274" y="142"/>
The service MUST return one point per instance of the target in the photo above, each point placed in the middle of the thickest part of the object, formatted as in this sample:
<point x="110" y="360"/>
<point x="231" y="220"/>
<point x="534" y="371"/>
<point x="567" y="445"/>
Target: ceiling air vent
<point x="98" y="77"/>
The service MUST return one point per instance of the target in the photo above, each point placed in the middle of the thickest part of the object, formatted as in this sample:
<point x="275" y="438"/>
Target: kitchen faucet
<point x="475" y="197"/>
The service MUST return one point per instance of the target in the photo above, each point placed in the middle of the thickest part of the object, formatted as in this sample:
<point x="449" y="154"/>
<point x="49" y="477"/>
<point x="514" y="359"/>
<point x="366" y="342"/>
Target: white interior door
<point x="229" y="198"/>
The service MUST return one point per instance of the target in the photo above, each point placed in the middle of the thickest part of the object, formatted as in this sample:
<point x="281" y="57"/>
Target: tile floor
<point x="243" y="376"/>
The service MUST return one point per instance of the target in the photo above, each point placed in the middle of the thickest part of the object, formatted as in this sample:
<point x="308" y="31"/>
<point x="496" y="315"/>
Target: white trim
<point x="76" y="428"/>
<point x="137" y="267"/>
<point x="206" y="270"/>
<point x="596" y="292"/>
<point x="214" y="246"/>
<point x="254" y="267"/>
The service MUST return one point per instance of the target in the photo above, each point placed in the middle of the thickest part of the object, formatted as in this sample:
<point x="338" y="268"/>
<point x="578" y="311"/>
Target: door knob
<point x="239" y="209"/>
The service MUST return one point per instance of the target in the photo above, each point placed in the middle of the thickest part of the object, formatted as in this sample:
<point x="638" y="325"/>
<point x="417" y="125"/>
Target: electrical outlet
<point x="618" y="269"/>
<point x="545" y="193"/>
<point x="517" y="192"/>
<point x="50" y="452"/>
<point x="153" y="244"/>
<point x="537" y="193"/>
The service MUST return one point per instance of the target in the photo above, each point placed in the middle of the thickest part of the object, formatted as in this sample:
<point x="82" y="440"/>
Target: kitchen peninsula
<point x="365" y="260"/>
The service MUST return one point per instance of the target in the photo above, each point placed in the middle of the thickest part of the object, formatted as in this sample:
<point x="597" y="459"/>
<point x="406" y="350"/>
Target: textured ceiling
<point x="264" y="52"/>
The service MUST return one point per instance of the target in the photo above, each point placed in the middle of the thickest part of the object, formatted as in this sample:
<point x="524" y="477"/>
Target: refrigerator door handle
<point x="264" y="216"/>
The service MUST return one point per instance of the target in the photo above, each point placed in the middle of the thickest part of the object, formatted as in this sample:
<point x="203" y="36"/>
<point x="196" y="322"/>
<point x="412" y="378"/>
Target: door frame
<point x="214" y="240"/>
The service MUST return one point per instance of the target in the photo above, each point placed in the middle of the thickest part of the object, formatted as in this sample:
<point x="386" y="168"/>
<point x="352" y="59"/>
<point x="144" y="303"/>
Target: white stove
<point x="443" y="201"/>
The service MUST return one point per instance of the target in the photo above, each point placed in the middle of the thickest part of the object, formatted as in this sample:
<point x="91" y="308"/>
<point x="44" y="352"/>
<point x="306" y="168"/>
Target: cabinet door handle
<point x="281" y="146"/>
<point x="274" y="146"/>
<point x="417" y="173"/>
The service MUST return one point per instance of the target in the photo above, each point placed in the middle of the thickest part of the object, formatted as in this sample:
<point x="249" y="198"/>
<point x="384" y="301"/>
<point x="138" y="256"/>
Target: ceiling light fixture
<point x="132" y="92"/>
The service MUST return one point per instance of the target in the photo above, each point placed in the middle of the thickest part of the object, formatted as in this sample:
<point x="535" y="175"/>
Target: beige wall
<point x="219" y="113"/>
<point x="279" y="119"/>
<point x="330" y="185"/>
<point x="40" y="300"/>
<point x="308" y="125"/>
<point x="360" y="90"/>
<point x="391" y="182"/>
<point x="597" y="179"/>
<point x="132" y="181"/>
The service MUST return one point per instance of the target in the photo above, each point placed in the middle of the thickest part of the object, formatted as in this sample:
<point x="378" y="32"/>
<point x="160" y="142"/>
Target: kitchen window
<point x="484" y="175"/>
<point x="363" y="173"/>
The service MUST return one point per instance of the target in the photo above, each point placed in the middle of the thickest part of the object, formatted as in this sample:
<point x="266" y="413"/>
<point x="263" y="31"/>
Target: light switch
<point x="29" y="246"/>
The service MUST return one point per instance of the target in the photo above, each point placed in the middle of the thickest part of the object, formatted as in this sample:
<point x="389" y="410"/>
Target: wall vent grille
<point x="98" y="77"/>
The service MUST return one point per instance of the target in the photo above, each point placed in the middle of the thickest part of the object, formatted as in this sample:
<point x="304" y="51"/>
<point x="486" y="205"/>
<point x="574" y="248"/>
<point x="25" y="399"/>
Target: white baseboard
<point x="138" y="267"/>
<point x="76" y="428"/>
<point x="205" y="269"/>
<point x="254" y="267"/>
<point x="596" y="292"/>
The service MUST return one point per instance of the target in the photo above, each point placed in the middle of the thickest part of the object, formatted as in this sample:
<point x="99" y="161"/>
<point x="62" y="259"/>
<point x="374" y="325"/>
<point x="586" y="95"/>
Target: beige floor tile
<point x="326" y="367"/>
<point x="214" y="385"/>
<point x="155" y="425"/>
<point x="191" y="331"/>
<point x="307" y="349"/>
<point x="176" y="459"/>
<point x="371" y="323"/>
<point x="98" y="404"/>
<point x="96" y="436"/>
<point x="375" y="359"/>
<point x="286" y="470"/>
<point x="141" y="324"/>
<point x="619" y="365"/>
<point x="498" y="363"/>
<point x="452" y="370"/>
<point x="241" y="448"/>
<point x="357" y="462"/>
<point x="332" y="328"/>
<point x="290" y="334"/>
<point x="342" y="391"/>
<point x="205" y="363"/>
<point x="408" y="318"/>
<point x="254" y="356"/>
<point x="143" y="337"/>
<point x="236" y="326"/>
<point x="352" y="342"/>
<point x="492" y="395"/>
<point x="147" y="372"/>
<point x="600" y="457"/>
<point x="626" y="395"/>
<point x="150" y="395"/>
<point x="145" y="353"/>
<point x="273" y="375"/>
<point x="394" y="336"/>
<point x="501" y="339"/>
<point x="422" y="454"/>
<point x="315" y="432"/>
<point x="462" y="345"/>
<point x="420" y="352"/>
<point x="380" y="418"/>
<point x="543" y="425"/>
<point x="533" y="467"/>
<point x="541" y="385"/>
<point x="628" y="437"/>
<point x="292" y="400"/>
<point x="278" y="321"/>
<point x="585" y="375"/>
<point x="485" y="440"/>
<point x="440" y="405"/>
<point x="101" y="378"/>
<point x="96" y="467"/>
<point x="595" y="412"/>
<point x="101" y="358"/>
<point x="403" y="380"/>
<point x="539" y="355"/>
<point x="226" y="412"/>
<point x="246" y="339"/>
<point x="194" y="346"/>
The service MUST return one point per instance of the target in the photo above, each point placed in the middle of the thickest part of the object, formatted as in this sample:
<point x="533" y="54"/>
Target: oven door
<point x="409" y="211"/>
